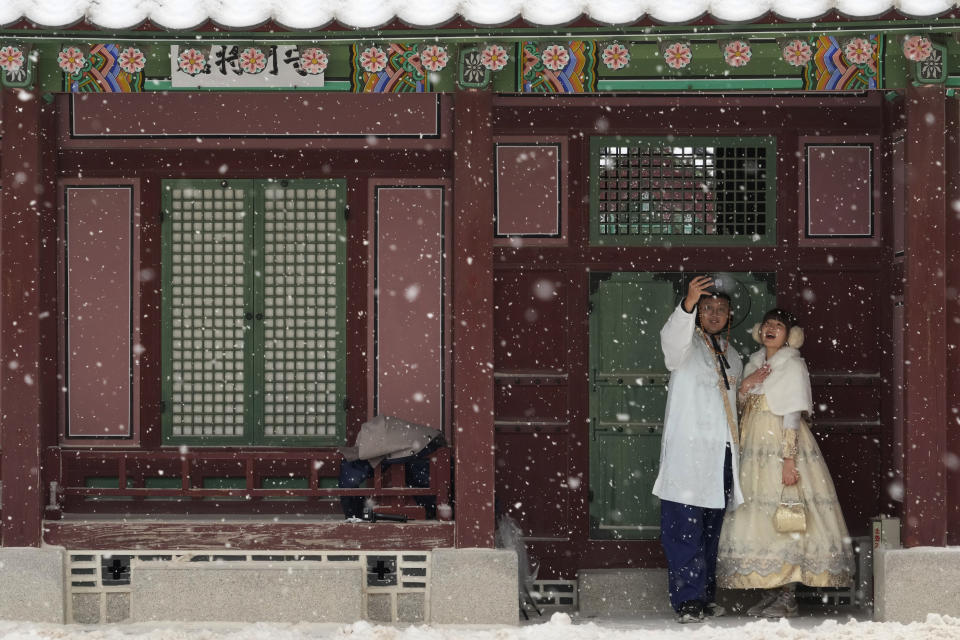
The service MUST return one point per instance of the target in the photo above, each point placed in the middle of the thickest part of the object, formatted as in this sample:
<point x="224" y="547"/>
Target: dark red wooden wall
<point x="542" y="392"/>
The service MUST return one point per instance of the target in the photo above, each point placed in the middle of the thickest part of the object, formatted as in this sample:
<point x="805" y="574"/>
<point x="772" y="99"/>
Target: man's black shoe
<point x="690" y="611"/>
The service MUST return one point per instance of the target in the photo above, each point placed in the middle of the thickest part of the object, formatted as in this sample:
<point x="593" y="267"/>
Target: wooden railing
<point x="111" y="479"/>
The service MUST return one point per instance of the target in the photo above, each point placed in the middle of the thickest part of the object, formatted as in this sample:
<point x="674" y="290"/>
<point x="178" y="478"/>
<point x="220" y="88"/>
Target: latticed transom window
<point x="253" y="306"/>
<point x="683" y="190"/>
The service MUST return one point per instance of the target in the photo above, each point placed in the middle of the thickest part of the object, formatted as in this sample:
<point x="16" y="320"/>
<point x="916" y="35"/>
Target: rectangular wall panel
<point x="839" y="191"/>
<point x="409" y="303"/>
<point x="528" y="190"/>
<point x="99" y="303"/>
<point x="184" y="114"/>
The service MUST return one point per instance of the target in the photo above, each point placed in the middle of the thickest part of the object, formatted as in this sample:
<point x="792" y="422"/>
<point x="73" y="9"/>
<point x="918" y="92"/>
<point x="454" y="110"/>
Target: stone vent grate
<point x="395" y="588"/>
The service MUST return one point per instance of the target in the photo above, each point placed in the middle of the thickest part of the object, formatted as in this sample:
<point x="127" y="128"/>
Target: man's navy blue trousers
<point x="690" y="537"/>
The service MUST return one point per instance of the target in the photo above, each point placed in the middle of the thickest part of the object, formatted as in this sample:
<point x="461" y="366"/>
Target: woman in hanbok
<point x="778" y="450"/>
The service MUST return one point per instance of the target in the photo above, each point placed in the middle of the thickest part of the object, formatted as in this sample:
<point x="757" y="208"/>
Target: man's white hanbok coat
<point x="695" y="427"/>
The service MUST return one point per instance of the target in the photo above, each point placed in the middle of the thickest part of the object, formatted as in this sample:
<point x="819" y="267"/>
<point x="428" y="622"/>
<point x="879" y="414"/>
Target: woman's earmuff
<point x="794" y="338"/>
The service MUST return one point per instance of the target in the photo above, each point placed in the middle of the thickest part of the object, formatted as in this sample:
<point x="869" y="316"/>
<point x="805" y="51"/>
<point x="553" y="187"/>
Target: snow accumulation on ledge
<point x="367" y="14"/>
<point x="558" y="627"/>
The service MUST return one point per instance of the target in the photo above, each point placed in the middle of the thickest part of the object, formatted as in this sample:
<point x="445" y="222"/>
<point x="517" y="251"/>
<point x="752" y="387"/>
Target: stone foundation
<point x="910" y="583"/>
<point x="31" y="584"/>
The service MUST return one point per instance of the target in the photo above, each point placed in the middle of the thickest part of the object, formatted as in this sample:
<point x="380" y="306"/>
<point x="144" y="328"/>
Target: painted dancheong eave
<point x="366" y="14"/>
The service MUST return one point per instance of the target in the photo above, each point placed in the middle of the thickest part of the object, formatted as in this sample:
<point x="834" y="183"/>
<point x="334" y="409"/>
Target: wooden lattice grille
<point x="253" y="296"/>
<point x="300" y="312"/>
<point x="208" y="283"/>
<point x="684" y="190"/>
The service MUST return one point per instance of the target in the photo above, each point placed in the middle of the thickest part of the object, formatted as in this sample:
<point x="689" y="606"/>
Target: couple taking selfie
<point x="746" y="499"/>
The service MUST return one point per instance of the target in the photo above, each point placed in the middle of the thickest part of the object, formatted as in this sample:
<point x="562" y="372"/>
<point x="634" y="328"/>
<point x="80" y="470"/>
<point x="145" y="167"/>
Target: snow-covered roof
<point x="366" y="14"/>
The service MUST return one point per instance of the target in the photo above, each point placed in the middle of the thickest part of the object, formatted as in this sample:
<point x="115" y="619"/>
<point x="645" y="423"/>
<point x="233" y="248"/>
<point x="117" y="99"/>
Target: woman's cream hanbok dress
<point x="753" y="555"/>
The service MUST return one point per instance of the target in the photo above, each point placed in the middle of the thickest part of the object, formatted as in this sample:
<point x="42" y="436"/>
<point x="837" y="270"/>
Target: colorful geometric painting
<point x="567" y="68"/>
<point x="102" y="74"/>
<point x="831" y="70"/>
<point x="394" y="68"/>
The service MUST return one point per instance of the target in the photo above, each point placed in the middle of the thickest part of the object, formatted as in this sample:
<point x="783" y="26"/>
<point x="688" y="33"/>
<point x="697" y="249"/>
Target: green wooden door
<point x="253" y="309"/>
<point x="628" y="389"/>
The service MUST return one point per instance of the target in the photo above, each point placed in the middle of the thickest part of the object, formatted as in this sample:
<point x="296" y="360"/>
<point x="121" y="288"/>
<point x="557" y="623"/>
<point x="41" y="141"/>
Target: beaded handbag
<point x="791" y="514"/>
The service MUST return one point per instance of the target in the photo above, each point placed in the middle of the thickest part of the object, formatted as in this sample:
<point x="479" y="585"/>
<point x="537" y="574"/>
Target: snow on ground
<point x="558" y="627"/>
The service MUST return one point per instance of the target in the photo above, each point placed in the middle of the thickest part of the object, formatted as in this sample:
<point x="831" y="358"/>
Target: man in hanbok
<point x="698" y="458"/>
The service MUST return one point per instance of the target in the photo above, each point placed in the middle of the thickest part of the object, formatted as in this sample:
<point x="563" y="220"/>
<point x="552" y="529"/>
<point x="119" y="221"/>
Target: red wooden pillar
<point x="473" y="318"/>
<point x="953" y="327"/>
<point x="924" y="339"/>
<point x="26" y="197"/>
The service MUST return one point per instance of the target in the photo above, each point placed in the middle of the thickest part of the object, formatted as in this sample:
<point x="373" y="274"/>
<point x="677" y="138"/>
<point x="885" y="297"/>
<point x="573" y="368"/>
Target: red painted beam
<point x="26" y="200"/>
<point x="924" y="339"/>
<point x="473" y="318"/>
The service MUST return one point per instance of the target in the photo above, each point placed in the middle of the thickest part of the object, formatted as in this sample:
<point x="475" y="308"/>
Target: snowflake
<point x="253" y="60"/>
<point x="917" y="48"/>
<point x="737" y="53"/>
<point x="555" y="57"/>
<point x="797" y="53"/>
<point x="373" y="60"/>
<point x="494" y="57"/>
<point x="678" y="55"/>
<point x="71" y="60"/>
<point x="132" y="60"/>
<point x="11" y="59"/>
<point x="191" y="62"/>
<point x="313" y="61"/>
<point x="858" y="51"/>
<point x="616" y="56"/>
<point x="434" y="58"/>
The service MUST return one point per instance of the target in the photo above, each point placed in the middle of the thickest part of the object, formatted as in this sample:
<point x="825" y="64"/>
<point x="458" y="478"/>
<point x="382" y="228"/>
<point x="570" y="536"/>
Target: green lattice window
<point x="707" y="191"/>
<point x="253" y="309"/>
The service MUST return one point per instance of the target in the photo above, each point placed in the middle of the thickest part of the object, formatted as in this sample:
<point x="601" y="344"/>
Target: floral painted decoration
<point x="737" y="53"/>
<point x="616" y="56"/>
<point x="434" y="58"/>
<point x="192" y="61"/>
<point x="373" y="60"/>
<point x="678" y="55"/>
<point x="71" y="60"/>
<point x="858" y="51"/>
<point x="313" y="61"/>
<point x="555" y="57"/>
<point x="132" y="60"/>
<point x="11" y="59"/>
<point x="917" y="48"/>
<point x="797" y="53"/>
<point x="253" y="60"/>
<point x="494" y="57"/>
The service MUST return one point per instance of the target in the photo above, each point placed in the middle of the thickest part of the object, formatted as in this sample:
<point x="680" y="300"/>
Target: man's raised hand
<point x="697" y="287"/>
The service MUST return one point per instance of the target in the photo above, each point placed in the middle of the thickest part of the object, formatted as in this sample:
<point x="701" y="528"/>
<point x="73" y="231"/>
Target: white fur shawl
<point x="788" y="386"/>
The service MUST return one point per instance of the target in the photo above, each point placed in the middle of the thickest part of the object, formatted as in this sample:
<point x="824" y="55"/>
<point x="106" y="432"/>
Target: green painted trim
<point x="682" y="84"/>
<point x="166" y="85"/>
